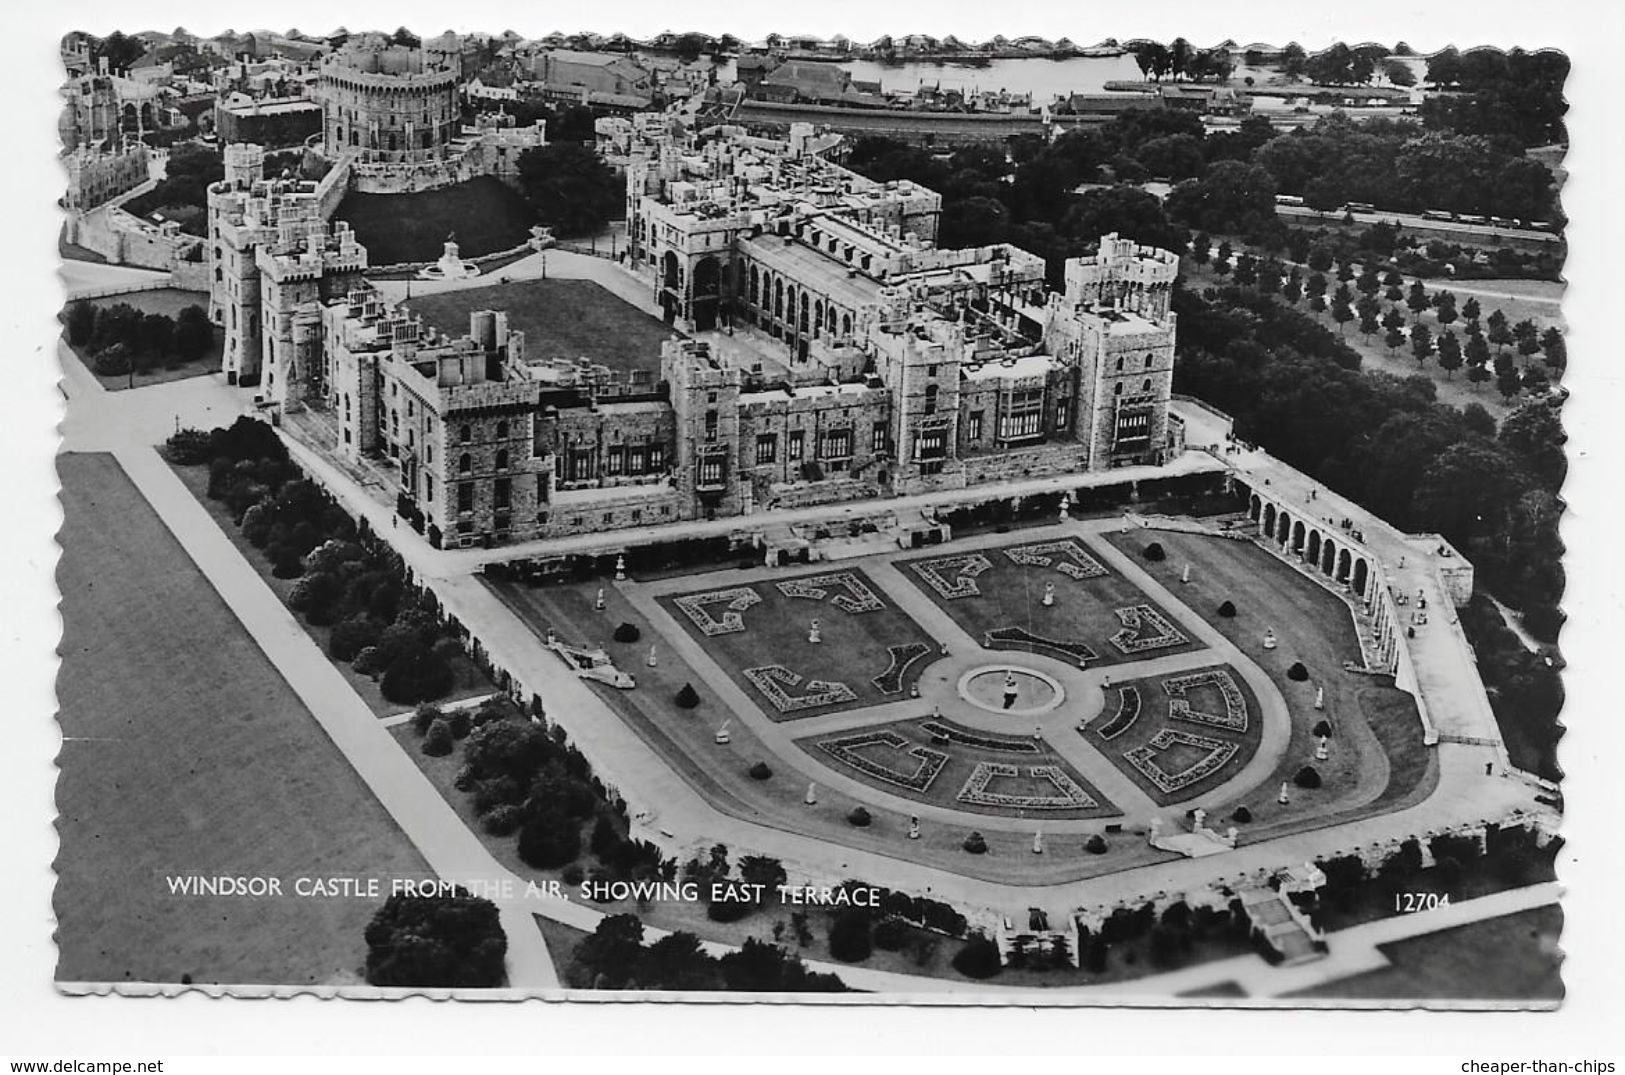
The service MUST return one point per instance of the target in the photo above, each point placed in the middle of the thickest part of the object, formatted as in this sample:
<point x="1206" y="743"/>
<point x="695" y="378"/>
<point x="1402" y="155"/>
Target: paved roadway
<point x="1417" y="222"/>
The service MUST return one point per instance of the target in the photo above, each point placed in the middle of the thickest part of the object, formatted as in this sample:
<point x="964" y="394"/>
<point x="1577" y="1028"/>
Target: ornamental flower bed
<point x="845" y="749"/>
<point x="1128" y="711"/>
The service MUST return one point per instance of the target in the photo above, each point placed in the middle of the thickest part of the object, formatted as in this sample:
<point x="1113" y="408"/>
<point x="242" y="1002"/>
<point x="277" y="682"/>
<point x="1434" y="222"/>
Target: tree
<point x="687" y="697"/>
<point x="1417" y="298"/>
<point x="1368" y="283"/>
<point x="1444" y="308"/>
<point x="1470" y="310"/>
<point x="1421" y="343"/>
<point x="977" y="221"/>
<point x="1478" y="351"/>
<point x="417" y="674"/>
<point x="849" y="939"/>
<point x="1269" y="278"/>
<point x="1201" y="248"/>
<point x="1128" y="211"/>
<point x="980" y="958"/>
<point x="1368" y="322"/>
<point x="1499" y="334"/>
<point x="1534" y="433"/>
<point x="454" y="941"/>
<point x="1527" y="337"/>
<point x="609" y="958"/>
<point x="548" y="840"/>
<point x="1232" y="197"/>
<point x="570" y="187"/>
<point x="1342" y="314"/>
<point x="1398" y="73"/>
<point x="1557" y="355"/>
<point x="762" y="870"/>
<point x="1315" y="286"/>
<point x="81" y="323"/>
<point x="1292" y="290"/>
<point x="1449" y="353"/>
<point x="194" y="335"/>
<point x="1246" y="273"/>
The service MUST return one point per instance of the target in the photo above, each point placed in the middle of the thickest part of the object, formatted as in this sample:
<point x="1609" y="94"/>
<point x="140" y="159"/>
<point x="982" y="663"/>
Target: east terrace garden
<point x="863" y="651"/>
<point x="1094" y="616"/>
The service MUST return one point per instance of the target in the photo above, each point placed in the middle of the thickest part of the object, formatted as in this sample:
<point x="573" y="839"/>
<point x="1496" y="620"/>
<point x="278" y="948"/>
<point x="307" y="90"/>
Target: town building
<point x="96" y="176"/>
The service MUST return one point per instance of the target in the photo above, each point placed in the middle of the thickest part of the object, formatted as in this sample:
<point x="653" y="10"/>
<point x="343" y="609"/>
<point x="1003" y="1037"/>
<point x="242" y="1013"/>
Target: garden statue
<point x="1283" y="798"/>
<point x="598" y="602"/>
<point x="620" y="568"/>
<point x="1038" y="843"/>
<point x="1322" y="751"/>
<point x="1269" y="638"/>
<point x="1048" y="599"/>
<point x="813" y="633"/>
<point x="1185" y="575"/>
<point x="723" y="735"/>
<point x="652" y="660"/>
<point x="1320" y="697"/>
<point x="812" y="793"/>
<point x="913" y="828"/>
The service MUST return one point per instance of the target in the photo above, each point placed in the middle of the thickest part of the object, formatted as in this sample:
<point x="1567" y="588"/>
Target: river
<point x="1045" y="79"/>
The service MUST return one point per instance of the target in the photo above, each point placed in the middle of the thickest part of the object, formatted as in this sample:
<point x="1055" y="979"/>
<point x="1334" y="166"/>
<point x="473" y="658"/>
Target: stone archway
<point x="1269" y="519"/>
<point x="1297" y="536"/>
<point x="707" y="293"/>
<point x="1312" y="547"/>
<point x="1255" y="507"/>
<point x="1328" y="559"/>
<point x="1345" y="563"/>
<point x="1283" y="529"/>
<point x="1362" y="576"/>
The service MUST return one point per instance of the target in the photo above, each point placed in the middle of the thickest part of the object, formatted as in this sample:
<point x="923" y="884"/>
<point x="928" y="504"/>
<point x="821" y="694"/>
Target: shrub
<point x="437" y="742"/>
<point x="548" y="840"/>
<point x="1155" y="553"/>
<point x="979" y="958"/>
<point x="460" y="723"/>
<point x="286" y="563"/>
<point x="353" y="635"/>
<point x="1308" y="777"/>
<point x="369" y="661"/>
<point x="976" y="844"/>
<point x="858" y="818"/>
<point x="495" y="792"/>
<point x="1241" y="815"/>
<point x="1297" y="673"/>
<point x="1322" y="730"/>
<point x="688" y="697"/>
<point x="891" y="933"/>
<point x="465" y="779"/>
<point x="628" y="632"/>
<point x="760" y="771"/>
<point x="503" y="820"/>
<point x="1228" y="610"/>
<point x="1095" y="845"/>
<point x="423" y="716"/>
<point x="728" y="910"/>
<point x="573" y="874"/>
<point x="849" y="936"/>
<point x="416" y="675"/>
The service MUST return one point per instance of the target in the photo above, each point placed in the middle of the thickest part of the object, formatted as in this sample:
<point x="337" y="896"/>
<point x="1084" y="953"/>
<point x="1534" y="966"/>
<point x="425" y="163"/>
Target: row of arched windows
<point x="798" y="312"/>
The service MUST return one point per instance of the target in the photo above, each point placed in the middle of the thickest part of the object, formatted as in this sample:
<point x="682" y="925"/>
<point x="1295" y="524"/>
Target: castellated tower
<point x="920" y="363"/>
<point x="234" y="293"/>
<point x="705" y="399"/>
<point x="1114" y="323"/>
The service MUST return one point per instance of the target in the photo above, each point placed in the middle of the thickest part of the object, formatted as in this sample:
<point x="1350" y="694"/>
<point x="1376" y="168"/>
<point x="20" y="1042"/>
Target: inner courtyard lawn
<point x="561" y="319"/>
<point x="1000" y="593"/>
<point x="857" y="649"/>
<point x="213" y="766"/>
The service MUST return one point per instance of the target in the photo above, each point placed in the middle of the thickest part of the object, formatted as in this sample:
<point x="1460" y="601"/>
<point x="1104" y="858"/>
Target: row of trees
<point x="348" y="579"/>
<point x="1295" y="387"/>
<point x="615" y="957"/>
<point x="121" y="339"/>
<point x="1179" y="59"/>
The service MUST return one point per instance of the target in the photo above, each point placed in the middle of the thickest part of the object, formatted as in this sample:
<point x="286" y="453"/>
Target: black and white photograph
<point x="686" y="511"/>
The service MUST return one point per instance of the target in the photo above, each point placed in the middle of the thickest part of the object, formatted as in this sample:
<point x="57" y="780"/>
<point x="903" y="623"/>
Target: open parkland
<point x="1034" y="716"/>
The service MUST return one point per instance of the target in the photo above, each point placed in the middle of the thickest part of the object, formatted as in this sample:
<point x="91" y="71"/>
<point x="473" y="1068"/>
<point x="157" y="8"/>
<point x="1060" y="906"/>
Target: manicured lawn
<point x="170" y="301"/>
<point x="1376" y="758"/>
<point x="567" y="319"/>
<point x="1514" y="957"/>
<point x="1154" y="709"/>
<point x="961" y="761"/>
<point x="847" y="669"/>
<point x="485" y="215"/>
<point x="470" y="682"/>
<point x="993" y="593"/>
<point x="185" y="752"/>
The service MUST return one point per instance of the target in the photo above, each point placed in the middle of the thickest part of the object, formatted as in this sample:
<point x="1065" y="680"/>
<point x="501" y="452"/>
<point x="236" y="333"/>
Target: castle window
<point x="710" y="427"/>
<point x="502" y="429"/>
<point x="502" y="494"/>
<point x="767" y="448"/>
<point x="465" y="464"/>
<point x="464" y="433"/>
<point x="973" y="428"/>
<point x="931" y="398"/>
<point x="1119" y="365"/>
<point x="1119" y="388"/>
<point x="1148" y="360"/>
<point x="1146" y="387"/>
<point x="797" y="446"/>
<point x="1063" y="411"/>
<point x="502" y="459"/>
<point x="615" y="460"/>
<point x="465" y="496"/>
<point x="428" y="488"/>
<point x="877" y="437"/>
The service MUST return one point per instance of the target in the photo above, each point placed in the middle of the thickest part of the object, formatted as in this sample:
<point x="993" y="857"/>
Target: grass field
<point x="213" y="766"/>
<point x="485" y="215"/>
<point x="567" y="319"/>
<point x="1514" y="957"/>
<point x="1153" y="718"/>
<point x="469" y="681"/>
<point x="1010" y="595"/>
<point x="167" y="300"/>
<point x="853" y="650"/>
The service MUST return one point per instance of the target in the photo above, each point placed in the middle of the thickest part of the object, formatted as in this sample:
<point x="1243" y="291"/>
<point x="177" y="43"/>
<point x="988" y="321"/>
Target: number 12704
<point x="1410" y="902"/>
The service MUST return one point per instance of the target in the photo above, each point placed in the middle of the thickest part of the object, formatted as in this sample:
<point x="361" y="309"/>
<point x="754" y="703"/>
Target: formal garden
<point x="1181" y="735"/>
<point x="938" y="761"/>
<point x="143" y="337"/>
<point x="809" y="644"/>
<point x="1052" y="598"/>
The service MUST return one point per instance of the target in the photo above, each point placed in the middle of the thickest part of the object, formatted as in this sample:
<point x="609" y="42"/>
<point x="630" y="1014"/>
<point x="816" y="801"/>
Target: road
<point x="1417" y="222"/>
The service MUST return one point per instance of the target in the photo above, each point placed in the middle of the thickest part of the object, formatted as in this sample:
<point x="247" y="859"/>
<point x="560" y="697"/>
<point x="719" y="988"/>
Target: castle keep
<point x="877" y="364"/>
